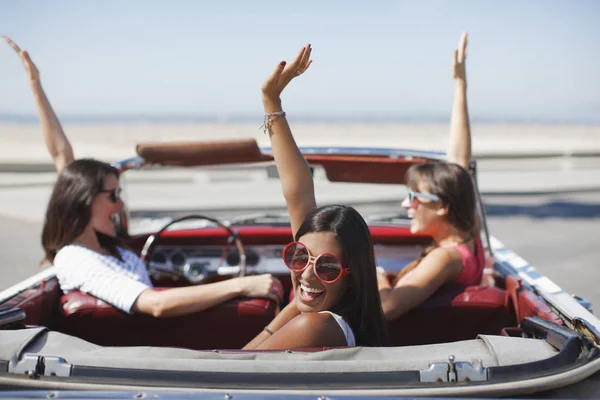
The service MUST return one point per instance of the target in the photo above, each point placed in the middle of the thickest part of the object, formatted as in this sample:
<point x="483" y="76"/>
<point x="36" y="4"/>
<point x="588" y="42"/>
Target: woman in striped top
<point x="79" y="234"/>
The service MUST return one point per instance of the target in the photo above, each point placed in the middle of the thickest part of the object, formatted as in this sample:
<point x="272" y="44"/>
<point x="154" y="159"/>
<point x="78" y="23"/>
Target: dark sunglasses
<point x="113" y="194"/>
<point x="327" y="267"/>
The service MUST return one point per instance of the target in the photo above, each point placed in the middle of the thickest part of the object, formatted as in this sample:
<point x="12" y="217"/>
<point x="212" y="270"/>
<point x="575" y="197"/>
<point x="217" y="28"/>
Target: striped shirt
<point x="115" y="282"/>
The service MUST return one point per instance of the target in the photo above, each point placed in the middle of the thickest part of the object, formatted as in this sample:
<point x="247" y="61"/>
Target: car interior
<point x="490" y="321"/>
<point x="454" y="313"/>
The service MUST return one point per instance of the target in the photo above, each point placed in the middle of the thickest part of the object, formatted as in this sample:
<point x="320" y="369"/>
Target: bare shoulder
<point x="446" y="259"/>
<point x="322" y="328"/>
<point x="444" y="255"/>
<point x="312" y="321"/>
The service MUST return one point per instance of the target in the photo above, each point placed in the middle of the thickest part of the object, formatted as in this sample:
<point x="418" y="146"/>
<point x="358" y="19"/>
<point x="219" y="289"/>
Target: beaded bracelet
<point x="268" y="120"/>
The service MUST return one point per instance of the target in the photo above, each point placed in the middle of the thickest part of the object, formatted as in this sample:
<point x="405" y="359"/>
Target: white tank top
<point x="350" y="341"/>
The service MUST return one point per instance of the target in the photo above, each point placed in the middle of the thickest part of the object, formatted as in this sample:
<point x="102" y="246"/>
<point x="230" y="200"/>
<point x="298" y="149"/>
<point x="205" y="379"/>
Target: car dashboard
<point x="199" y="262"/>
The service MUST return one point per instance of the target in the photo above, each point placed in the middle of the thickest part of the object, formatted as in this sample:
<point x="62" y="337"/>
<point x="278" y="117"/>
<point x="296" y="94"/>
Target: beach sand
<point x="22" y="143"/>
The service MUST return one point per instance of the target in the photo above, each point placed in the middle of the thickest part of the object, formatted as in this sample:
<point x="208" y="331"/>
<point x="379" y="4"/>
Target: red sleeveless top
<point x="473" y="264"/>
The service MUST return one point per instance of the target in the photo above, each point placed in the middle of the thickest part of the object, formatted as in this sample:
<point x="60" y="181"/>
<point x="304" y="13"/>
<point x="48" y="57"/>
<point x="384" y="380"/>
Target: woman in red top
<point x="441" y="204"/>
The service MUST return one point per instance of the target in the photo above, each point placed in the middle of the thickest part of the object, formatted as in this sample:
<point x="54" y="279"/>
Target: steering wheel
<point x="192" y="274"/>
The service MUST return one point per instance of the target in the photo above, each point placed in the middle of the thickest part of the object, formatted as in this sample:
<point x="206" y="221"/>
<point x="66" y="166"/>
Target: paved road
<point x="24" y="195"/>
<point x="558" y="234"/>
<point x="20" y="250"/>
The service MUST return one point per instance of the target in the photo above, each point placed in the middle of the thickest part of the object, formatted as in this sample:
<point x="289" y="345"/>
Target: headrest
<point x="202" y="153"/>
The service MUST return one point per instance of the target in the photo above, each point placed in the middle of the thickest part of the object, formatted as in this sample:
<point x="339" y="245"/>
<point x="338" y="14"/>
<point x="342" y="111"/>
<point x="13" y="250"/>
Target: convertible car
<point x="515" y="334"/>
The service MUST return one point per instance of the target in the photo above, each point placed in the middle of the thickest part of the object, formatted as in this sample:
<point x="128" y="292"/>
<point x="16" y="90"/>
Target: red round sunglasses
<point x="327" y="267"/>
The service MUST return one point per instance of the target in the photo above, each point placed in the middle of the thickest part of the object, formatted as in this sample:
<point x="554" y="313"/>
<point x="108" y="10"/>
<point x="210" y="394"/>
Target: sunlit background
<point x="529" y="60"/>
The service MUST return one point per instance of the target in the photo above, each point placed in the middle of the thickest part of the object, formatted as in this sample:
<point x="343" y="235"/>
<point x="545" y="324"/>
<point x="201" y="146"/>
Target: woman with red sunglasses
<point x="331" y="259"/>
<point x="441" y="203"/>
<point x="79" y="234"/>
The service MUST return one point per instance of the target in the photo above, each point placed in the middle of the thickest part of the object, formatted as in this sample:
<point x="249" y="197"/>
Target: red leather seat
<point x="229" y="325"/>
<point x="38" y="303"/>
<point x="453" y="313"/>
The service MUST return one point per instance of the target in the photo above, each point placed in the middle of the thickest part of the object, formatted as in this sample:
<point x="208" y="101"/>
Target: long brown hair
<point x="70" y="206"/>
<point x="360" y="304"/>
<point x="454" y="186"/>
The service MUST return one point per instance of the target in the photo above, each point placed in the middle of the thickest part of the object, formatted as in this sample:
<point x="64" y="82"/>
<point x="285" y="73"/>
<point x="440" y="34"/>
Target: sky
<point x="378" y="59"/>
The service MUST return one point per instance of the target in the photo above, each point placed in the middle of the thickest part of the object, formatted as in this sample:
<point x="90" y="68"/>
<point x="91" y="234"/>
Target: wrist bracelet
<point x="268" y="120"/>
<point x="380" y="270"/>
<point x="270" y="332"/>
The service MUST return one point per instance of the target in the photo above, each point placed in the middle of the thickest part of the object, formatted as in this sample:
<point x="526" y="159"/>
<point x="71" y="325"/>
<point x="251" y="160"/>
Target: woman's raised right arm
<point x="56" y="142"/>
<point x="191" y="299"/>
<point x="294" y="173"/>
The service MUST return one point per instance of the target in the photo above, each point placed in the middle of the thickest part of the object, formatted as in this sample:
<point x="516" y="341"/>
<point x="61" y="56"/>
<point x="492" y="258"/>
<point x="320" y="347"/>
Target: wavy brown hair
<point x="454" y="186"/>
<point x="70" y="206"/>
<point x="360" y="304"/>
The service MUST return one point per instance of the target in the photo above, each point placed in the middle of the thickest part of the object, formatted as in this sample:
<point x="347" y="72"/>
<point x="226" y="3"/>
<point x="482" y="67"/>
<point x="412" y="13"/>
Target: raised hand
<point x="30" y="68"/>
<point x="56" y="142"/>
<point x="283" y="74"/>
<point x="459" y="57"/>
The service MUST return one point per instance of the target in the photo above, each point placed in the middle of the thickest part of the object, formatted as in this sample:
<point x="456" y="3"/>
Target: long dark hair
<point x="360" y="305"/>
<point x="454" y="186"/>
<point x="70" y="206"/>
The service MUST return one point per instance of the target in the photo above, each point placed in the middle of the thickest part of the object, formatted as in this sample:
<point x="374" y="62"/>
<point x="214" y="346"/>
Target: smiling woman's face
<point x="310" y="294"/>
<point x="426" y="215"/>
<point x="104" y="208"/>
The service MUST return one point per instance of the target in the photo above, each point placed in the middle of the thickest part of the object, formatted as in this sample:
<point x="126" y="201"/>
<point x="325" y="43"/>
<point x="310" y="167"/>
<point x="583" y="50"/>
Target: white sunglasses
<point x="416" y="195"/>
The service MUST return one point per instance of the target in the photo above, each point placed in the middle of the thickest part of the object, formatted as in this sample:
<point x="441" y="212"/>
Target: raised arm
<point x="459" y="146"/>
<point x="294" y="173"/>
<point x="56" y="142"/>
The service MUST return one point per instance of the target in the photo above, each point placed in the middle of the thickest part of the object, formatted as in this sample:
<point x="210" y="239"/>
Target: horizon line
<point x="302" y="118"/>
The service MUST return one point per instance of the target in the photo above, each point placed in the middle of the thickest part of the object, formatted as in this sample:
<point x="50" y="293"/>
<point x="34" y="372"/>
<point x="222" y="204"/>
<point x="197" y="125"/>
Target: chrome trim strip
<point x="27" y="283"/>
<point x="563" y="302"/>
<point x="136" y="162"/>
<point x="13" y="316"/>
<point x="391" y="152"/>
<point x="481" y="207"/>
